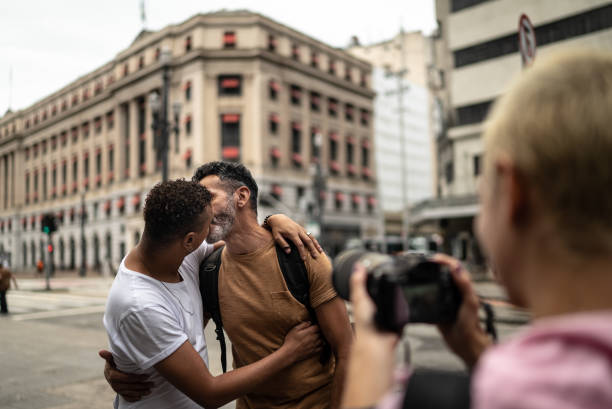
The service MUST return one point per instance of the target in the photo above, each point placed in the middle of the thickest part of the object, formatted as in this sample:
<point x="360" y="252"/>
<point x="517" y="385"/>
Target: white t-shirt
<point x="147" y="320"/>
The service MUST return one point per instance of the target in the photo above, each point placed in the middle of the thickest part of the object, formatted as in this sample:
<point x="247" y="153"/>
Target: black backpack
<point x="294" y="273"/>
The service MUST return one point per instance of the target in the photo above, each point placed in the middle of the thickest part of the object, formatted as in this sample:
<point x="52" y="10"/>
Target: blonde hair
<point x="556" y="125"/>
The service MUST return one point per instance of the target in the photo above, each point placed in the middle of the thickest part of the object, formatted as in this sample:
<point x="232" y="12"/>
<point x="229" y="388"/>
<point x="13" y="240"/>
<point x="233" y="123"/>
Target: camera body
<point x="405" y="288"/>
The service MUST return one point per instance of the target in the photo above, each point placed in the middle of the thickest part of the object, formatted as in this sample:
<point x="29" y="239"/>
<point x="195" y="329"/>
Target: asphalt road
<point x="49" y="344"/>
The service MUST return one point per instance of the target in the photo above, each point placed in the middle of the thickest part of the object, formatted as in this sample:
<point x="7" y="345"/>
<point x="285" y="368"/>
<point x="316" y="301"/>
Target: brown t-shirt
<point x="258" y="311"/>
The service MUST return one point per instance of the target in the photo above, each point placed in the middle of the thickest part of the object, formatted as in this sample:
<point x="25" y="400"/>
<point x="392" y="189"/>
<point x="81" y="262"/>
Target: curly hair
<point x="234" y="175"/>
<point x="174" y="208"/>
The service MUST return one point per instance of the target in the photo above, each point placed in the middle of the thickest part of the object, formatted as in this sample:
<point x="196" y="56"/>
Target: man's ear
<point x="514" y="189"/>
<point x="189" y="242"/>
<point x="243" y="195"/>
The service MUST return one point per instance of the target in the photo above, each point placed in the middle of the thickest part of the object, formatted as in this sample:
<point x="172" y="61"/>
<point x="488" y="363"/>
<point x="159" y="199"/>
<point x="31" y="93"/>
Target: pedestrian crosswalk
<point x="32" y="302"/>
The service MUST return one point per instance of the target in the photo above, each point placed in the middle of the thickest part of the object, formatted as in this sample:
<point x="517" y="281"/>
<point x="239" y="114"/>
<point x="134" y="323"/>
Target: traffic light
<point x="49" y="248"/>
<point x="49" y="223"/>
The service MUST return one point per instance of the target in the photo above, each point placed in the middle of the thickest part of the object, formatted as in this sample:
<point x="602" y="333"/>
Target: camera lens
<point x="343" y="268"/>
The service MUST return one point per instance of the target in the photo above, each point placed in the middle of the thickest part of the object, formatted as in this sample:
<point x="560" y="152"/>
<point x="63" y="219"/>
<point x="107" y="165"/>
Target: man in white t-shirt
<point x="154" y="311"/>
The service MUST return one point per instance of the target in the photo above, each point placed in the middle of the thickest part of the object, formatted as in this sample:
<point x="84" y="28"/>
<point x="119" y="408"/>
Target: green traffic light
<point x="46" y="229"/>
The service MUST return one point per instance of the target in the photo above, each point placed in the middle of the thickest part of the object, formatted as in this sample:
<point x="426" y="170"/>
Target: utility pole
<point x="83" y="268"/>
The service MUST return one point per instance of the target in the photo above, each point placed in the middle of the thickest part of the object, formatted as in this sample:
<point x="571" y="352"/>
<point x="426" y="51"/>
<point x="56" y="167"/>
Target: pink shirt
<point x="557" y="363"/>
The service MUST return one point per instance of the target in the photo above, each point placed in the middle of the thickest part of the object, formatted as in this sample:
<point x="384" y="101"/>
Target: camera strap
<point x="489" y="319"/>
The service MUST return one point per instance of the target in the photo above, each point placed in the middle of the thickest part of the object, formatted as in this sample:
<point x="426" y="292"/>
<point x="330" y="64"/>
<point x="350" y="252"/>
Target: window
<point x="27" y="188"/>
<point x="110" y="120"/>
<point x="187" y="157"/>
<point x="371" y="204"/>
<point x="229" y="39"/>
<point x="275" y="155"/>
<point x="85" y="128"/>
<point x="230" y="85"/>
<point x="355" y="202"/>
<point x="54" y="181"/>
<point x="98" y="125"/>
<point x="339" y="200"/>
<point x="111" y="163"/>
<point x="98" y="167"/>
<point x="230" y="137"/>
<point x="141" y="62"/>
<point x="86" y="170"/>
<point x="332" y="107"/>
<point x="457" y="5"/>
<point x="472" y="114"/>
<point x="126" y="69"/>
<point x="64" y="138"/>
<point x="296" y="144"/>
<point x="347" y="73"/>
<point x="365" y="117"/>
<point x="273" y="123"/>
<point x="85" y="94"/>
<point x="333" y="146"/>
<point x="75" y="134"/>
<point x="44" y="183"/>
<point x="365" y="153"/>
<point x="273" y="88"/>
<point x="348" y="112"/>
<point x="27" y="153"/>
<point x="64" y="177"/>
<point x="276" y="191"/>
<point x="75" y="174"/>
<point x="476" y="161"/>
<point x="188" y="125"/>
<point x="314" y="145"/>
<point x="350" y="156"/>
<point x="296" y="95"/>
<point x="43" y="146"/>
<point x="332" y="67"/>
<point x="449" y="173"/>
<point x="295" y="52"/>
<point x="314" y="59"/>
<point x="569" y="27"/>
<point x="272" y="43"/>
<point x="187" y="44"/>
<point x="187" y="90"/>
<point x="364" y="80"/>
<point x="97" y="88"/>
<point x="35" y="193"/>
<point x="315" y="101"/>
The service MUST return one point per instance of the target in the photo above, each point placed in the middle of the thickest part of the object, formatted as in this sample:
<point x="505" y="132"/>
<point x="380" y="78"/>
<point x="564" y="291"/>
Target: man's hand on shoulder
<point x="131" y="387"/>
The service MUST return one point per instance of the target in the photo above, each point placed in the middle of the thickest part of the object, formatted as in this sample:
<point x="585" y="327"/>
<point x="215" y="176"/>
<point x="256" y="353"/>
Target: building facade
<point x="476" y="56"/>
<point x="402" y="127"/>
<point x="250" y="90"/>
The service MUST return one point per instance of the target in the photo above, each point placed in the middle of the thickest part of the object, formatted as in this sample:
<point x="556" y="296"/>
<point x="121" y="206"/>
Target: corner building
<point x="476" y="57"/>
<point x="251" y="90"/>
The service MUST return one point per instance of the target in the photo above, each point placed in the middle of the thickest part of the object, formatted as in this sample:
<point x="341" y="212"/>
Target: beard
<point x="222" y="223"/>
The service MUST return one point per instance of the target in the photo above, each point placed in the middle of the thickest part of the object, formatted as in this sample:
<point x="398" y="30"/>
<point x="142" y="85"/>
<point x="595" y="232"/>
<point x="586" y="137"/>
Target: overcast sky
<point x="47" y="44"/>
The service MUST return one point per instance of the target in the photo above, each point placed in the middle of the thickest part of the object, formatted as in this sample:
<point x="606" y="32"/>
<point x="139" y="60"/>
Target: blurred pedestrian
<point x="5" y="283"/>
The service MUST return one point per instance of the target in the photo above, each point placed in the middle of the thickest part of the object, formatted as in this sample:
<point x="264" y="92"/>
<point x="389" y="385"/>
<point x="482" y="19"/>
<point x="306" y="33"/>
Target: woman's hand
<point x="303" y="341"/>
<point x="372" y="360"/>
<point x="465" y="337"/>
<point x="283" y="227"/>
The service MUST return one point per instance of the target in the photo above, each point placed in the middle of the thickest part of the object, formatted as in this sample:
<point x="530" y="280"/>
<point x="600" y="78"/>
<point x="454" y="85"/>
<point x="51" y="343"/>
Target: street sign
<point x="527" y="40"/>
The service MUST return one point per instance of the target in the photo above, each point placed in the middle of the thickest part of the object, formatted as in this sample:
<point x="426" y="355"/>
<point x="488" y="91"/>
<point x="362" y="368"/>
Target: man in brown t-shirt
<point x="256" y="305"/>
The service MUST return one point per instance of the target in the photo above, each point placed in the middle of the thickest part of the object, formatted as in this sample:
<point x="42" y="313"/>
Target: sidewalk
<point x="504" y="311"/>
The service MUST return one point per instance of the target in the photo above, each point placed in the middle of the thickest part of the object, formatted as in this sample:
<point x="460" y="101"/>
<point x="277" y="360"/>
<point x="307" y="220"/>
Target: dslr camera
<point x="405" y="288"/>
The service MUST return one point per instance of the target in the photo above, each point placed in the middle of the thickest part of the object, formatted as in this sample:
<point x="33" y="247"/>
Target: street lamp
<point x="159" y="107"/>
<point x="319" y="186"/>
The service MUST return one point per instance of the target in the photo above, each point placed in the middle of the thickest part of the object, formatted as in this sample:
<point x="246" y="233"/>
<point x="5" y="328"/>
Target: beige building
<point x="250" y="89"/>
<point x="476" y="56"/>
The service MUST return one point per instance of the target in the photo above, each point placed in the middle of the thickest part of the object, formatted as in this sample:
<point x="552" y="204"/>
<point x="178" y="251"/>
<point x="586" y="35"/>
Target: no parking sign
<point x="527" y="40"/>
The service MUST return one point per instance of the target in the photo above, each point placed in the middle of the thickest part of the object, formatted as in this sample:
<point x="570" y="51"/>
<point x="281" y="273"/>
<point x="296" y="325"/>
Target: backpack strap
<point x="296" y="277"/>
<point x="209" y="290"/>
